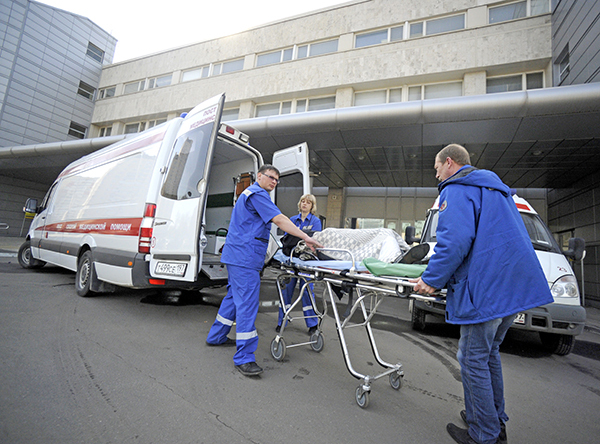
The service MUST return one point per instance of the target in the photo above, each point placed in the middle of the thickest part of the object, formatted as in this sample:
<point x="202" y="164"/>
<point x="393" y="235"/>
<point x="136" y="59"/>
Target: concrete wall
<point x="14" y="195"/>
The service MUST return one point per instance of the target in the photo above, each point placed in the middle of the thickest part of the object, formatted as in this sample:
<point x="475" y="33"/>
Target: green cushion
<point x="379" y="268"/>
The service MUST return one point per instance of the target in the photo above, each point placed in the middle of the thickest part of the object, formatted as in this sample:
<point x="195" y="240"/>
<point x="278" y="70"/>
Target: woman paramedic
<point x="244" y="254"/>
<point x="304" y="220"/>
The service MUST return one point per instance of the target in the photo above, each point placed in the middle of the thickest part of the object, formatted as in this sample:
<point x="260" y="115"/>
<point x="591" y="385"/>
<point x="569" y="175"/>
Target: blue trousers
<point x="481" y="371"/>
<point x="239" y="306"/>
<point x="307" y="309"/>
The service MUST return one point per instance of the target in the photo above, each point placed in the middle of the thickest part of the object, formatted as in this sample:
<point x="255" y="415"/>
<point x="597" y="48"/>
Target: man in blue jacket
<point x="244" y="253"/>
<point x="485" y="259"/>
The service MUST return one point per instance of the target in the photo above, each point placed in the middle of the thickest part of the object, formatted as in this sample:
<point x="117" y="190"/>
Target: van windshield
<point x="540" y="236"/>
<point x="187" y="163"/>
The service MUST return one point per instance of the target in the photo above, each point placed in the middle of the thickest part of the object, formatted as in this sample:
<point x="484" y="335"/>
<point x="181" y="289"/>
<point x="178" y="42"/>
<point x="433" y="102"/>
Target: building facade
<point x="50" y="66"/>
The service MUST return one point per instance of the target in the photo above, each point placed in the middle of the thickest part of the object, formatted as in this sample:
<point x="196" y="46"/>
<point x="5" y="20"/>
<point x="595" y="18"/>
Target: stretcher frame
<point x="367" y="286"/>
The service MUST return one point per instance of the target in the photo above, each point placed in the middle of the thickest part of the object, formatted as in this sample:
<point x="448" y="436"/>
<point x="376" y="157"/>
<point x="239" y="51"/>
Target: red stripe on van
<point x="118" y="227"/>
<point x="523" y="207"/>
<point x="112" y="154"/>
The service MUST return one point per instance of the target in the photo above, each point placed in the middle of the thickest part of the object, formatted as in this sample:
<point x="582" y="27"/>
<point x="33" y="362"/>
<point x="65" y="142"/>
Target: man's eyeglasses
<point x="272" y="178"/>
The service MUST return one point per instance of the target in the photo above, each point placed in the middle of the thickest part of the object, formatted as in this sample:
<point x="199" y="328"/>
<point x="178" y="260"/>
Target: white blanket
<point x="381" y="243"/>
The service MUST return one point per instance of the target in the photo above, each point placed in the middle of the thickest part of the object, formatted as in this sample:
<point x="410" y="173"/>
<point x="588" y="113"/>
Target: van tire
<point x="26" y="260"/>
<point x="558" y="344"/>
<point x="417" y="318"/>
<point x="83" y="278"/>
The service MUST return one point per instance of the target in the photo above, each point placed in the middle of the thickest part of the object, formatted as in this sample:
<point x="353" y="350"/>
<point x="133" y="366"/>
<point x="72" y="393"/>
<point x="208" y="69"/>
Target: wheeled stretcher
<point x="370" y="289"/>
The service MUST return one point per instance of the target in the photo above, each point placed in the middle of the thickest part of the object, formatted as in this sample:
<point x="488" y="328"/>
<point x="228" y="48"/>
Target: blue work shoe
<point x="461" y="436"/>
<point x="228" y="343"/>
<point x="249" y="369"/>
<point x="502" y="439"/>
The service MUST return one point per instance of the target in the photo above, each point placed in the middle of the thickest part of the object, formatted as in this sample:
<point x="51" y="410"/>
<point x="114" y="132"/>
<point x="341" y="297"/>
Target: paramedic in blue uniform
<point x="244" y="254"/>
<point x="485" y="259"/>
<point x="304" y="220"/>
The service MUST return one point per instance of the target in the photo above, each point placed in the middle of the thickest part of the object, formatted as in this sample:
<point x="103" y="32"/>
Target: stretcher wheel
<point x="395" y="381"/>
<point x="316" y="341"/>
<point x="278" y="349"/>
<point x="362" y="397"/>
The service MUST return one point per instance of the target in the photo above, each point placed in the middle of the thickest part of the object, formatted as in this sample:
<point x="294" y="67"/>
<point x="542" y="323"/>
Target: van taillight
<point x="229" y="129"/>
<point x="150" y="210"/>
<point x="145" y="239"/>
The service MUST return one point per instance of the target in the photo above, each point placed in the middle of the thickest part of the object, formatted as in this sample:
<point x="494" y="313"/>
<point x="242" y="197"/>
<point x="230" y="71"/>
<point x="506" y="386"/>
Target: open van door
<point x="289" y="161"/>
<point x="180" y="204"/>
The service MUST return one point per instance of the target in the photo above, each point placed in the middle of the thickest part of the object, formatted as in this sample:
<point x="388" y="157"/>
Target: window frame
<point x="86" y="90"/>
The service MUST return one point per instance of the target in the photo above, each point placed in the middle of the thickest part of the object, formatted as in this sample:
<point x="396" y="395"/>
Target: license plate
<point x="170" y="269"/>
<point x="520" y="319"/>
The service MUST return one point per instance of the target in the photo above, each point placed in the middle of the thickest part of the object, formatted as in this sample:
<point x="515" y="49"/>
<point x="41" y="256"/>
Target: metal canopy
<point x="545" y="138"/>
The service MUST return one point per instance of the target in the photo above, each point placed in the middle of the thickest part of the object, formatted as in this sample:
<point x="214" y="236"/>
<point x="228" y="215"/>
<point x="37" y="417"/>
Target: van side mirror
<point x="576" y="249"/>
<point x="31" y="206"/>
<point x="409" y="235"/>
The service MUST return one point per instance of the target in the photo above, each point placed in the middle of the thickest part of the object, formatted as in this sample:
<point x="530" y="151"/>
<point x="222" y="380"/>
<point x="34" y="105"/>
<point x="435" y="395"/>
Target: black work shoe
<point x="249" y="369"/>
<point x="278" y="328"/>
<point x="502" y="438"/>
<point x="228" y="343"/>
<point x="459" y="435"/>
<point x="311" y="330"/>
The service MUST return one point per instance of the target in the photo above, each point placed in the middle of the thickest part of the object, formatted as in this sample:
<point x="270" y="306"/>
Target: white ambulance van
<point x="152" y="210"/>
<point x="557" y="323"/>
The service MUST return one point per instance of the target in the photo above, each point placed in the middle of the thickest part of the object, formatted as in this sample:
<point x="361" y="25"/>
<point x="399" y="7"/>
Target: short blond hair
<point x="312" y="199"/>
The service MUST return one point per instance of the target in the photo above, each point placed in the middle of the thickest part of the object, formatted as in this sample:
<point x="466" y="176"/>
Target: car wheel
<point x="26" y="260"/>
<point x="558" y="344"/>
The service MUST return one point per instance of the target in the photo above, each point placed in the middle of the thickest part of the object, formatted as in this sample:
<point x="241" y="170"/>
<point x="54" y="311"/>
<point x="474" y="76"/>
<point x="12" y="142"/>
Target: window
<point x="504" y="84"/>
<point x="86" y="90"/>
<point x="105" y="131"/>
<point x="107" y="92"/>
<point x="443" y="90"/>
<point x="77" y="130"/>
<point x="396" y="33"/>
<point x="377" y="97"/>
<point x="94" y="52"/>
<point x="271" y="58"/>
<point x="446" y="24"/>
<point x="539" y="7"/>
<point x="562" y="66"/>
<point x="273" y="109"/>
<point x="323" y="48"/>
<point x="416" y="29"/>
<point x="232" y="66"/>
<point x="371" y="38"/>
<point x="322" y="103"/>
<point x="511" y="11"/>
<point x="195" y="74"/>
<point x="153" y="123"/>
<point x="157" y="82"/>
<point x="414" y="93"/>
<point x="230" y="114"/>
<point x="133" y="128"/>
<point x="532" y="80"/>
<point x="134" y="87"/>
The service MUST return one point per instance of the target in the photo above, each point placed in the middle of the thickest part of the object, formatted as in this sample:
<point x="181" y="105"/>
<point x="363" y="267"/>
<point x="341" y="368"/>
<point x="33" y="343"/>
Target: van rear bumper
<point x="550" y="318"/>
<point x="142" y="279"/>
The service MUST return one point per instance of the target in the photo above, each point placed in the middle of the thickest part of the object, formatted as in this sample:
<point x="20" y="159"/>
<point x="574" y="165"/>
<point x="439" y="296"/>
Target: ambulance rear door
<point x="175" y="252"/>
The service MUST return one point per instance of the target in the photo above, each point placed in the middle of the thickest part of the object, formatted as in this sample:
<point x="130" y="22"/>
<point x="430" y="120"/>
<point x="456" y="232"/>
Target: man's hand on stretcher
<point x="283" y="222"/>
<point x="421" y="287"/>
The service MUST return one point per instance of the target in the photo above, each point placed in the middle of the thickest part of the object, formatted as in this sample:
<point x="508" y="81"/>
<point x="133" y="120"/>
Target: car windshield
<point x="540" y="236"/>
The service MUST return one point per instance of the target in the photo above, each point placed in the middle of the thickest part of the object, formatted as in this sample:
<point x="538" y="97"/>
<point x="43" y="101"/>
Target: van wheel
<point x="26" y="260"/>
<point x="83" y="278"/>
<point x="417" y="318"/>
<point x="558" y="344"/>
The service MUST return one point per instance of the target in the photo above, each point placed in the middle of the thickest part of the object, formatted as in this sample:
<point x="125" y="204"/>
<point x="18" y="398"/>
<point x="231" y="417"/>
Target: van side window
<point x="48" y="197"/>
<point x="188" y="160"/>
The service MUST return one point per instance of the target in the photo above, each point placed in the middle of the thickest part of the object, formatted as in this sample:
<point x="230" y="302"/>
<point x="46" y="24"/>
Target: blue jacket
<point x="249" y="230"/>
<point x="483" y="253"/>
<point x="311" y="222"/>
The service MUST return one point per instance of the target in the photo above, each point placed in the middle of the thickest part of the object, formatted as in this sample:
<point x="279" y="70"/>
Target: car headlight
<point x="565" y="287"/>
